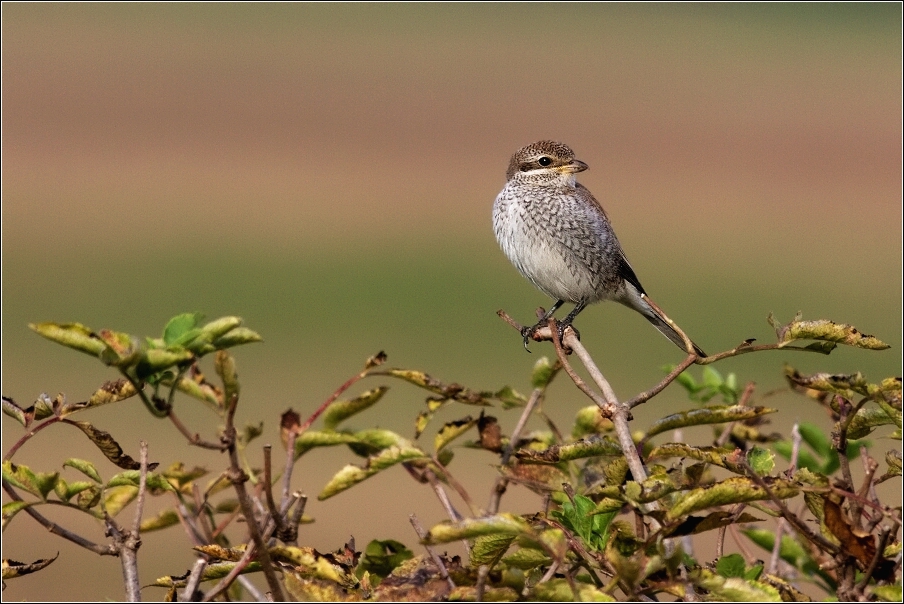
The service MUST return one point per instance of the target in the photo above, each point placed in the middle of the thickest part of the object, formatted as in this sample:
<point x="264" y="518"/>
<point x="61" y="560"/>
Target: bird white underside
<point x="540" y="263"/>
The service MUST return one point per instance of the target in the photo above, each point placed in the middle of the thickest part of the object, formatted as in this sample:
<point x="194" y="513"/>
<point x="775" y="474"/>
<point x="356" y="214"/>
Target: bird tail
<point x="642" y="304"/>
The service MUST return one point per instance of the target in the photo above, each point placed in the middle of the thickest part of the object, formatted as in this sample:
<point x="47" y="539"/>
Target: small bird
<point x="558" y="235"/>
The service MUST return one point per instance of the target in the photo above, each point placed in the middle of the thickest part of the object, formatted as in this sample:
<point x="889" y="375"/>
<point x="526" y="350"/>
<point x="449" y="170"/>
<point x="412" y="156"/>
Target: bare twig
<point x="572" y="341"/>
<point x="781" y="526"/>
<point x="290" y="465"/>
<point x="792" y="518"/>
<point x="868" y="488"/>
<point x="671" y="377"/>
<point x="54" y="528"/>
<point x="443" y="571"/>
<point x="720" y="541"/>
<point x="127" y="542"/>
<point x="482" y="573"/>
<point x="456" y="485"/>
<point x="374" y="361"/>
<point x="608" y="403"/>
<point x="238" y="477"/>
<point x="874" y="563"/>
<point x="502" y="482"/>
<point x="252" y="589"/>
<point x="194" y="579"/>
<point x="443" y="497"/>
<point x="25" y="437"/>
<point x="251" y="550"/>
<point x="276" y="514"/>
<point x="453" y="514"/>
<point x="194" y="439"/>
<point x="297" y="514"/>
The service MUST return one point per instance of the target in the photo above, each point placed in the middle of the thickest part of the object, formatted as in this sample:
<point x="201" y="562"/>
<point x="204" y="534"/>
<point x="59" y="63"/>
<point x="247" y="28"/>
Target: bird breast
<point x="554" y="239"/>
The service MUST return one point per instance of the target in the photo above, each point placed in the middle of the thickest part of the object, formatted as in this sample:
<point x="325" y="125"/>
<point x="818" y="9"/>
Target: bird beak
<point x="575" y="166"/>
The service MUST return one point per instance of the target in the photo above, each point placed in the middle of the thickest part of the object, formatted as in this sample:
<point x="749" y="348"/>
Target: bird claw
<point x="528" y="332"/>
<point x="561" y="327"/>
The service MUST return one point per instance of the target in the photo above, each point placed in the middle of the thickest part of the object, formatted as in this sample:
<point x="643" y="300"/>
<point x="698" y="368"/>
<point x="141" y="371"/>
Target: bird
<point x="560" y="238"/>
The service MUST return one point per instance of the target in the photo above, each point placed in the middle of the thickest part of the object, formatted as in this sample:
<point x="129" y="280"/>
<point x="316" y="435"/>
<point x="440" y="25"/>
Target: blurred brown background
<point x="327" y="172"/>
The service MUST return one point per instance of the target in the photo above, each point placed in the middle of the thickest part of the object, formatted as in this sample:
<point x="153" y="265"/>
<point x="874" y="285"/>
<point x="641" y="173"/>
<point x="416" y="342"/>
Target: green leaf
<point x="452" y="430"/>
<point x="382" y="557"/>
<point x="108" y="446"/>
<point x="560" y="590"/>
<point x="118" y="497"/>
<point x="112" y="392"/>
<point x="737" y="489"/>
<point x="88" y="498"/>
<point x="725" y="457"/>
<point x="821" y="347"/>
<point x="816" y="438"/>
<point x="592" y="446"/>
<point x="156" y="360"/>
<point x="220" y="327"/>
<point x="589" y="421"/>
<point x="164" y="519"/>
<point x="73" y="335"/>
<point x="543" y="373"/>
<point x="734" y="589"/>
<point x="526" y="559"/>
<point x="509" y="397"/>
<point x="470" y="528"/>
<point x="790" y="550"/>
<point x="122" y="350"/>
<point x="754" y="572"/>
<point x="846" y="385"/>
<point x="761" y="460"/>
<point x="370" y="441"/>
<point x="828" y="331"/>
<point x="224" y="365"/>
<point x="14" y="411"/>
<point x="707" y="415"/>
<point x="212" y="572"/>
<point x="685" y="379"/>
<point x="888" y="593"/>
<point x="237" y="337"/>
<point x="580" y="518"/>
<point x="36" y="483"/>
<point x="181" y="326"/>
<point x="486" y="550"/>
<point x="868" y="419"/>
<point x="731" y="565"/>
<point x="351" y="475"/>
<point x="12" y="508"/>
<point x="251" y="432"/>
<point x="712" y="378"/>
<point x="321" y="438"/>
<point x="339" y="411"/>
<point x="893" y="459"/>
<point x="13" y="569"/>
<point x="453" y="391"/>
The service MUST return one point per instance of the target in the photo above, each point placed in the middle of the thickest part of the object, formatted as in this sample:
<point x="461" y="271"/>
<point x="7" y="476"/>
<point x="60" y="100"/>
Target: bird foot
<point x="528" y="333"/>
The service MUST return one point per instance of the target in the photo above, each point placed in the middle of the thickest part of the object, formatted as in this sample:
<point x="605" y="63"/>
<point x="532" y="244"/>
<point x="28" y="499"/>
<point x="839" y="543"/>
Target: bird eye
<point x="544" y="161"/>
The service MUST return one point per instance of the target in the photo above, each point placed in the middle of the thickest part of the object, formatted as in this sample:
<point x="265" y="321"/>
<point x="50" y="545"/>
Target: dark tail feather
<point x="666" y="330"/>
<point x="642" y="304"/>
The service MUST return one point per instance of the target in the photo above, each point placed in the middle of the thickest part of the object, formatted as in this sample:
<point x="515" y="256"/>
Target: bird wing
<point x="625" y="270"/>
<point x="624" y="267"/>
<point x="586" y="194"/>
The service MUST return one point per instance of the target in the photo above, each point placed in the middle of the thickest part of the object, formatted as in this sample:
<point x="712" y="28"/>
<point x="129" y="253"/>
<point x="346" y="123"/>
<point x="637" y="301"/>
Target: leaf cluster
<point x="600" y="532"/>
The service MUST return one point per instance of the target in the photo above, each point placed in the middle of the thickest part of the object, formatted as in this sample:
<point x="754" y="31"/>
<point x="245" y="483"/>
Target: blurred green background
<point x="327" y="172"/>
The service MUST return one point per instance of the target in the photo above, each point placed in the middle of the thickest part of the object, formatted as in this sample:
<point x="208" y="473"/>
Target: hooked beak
<point x="575" y="166"/>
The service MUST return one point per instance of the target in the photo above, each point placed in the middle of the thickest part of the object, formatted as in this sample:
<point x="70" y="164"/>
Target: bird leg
<point x="566" y="322"/>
